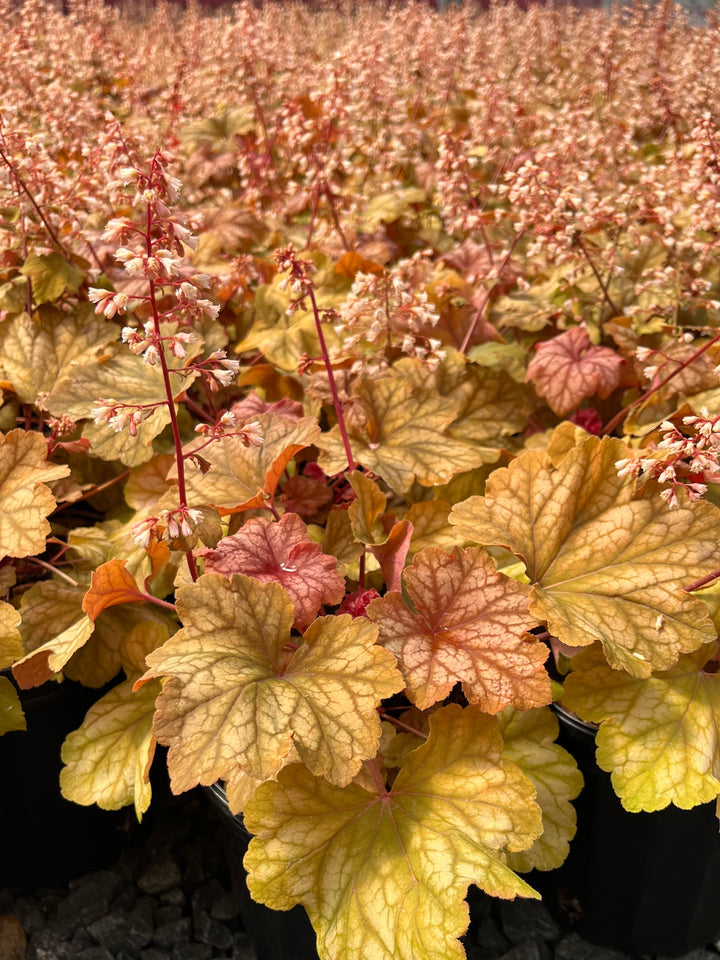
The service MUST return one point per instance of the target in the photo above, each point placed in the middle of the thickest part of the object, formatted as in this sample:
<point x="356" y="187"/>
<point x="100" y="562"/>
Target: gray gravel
<point x="169" y="897"/>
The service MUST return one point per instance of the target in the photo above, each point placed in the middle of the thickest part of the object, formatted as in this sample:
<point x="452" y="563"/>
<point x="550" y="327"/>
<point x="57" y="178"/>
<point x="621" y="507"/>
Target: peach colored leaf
<point x="239" y="696"/>
<point x="529" y="737"/>
<point x="469" y="626"/>
<point x="11" y="713"/>
<point x="25" y="498"/>
<point x="569" y="368"/>
<point x="110" y="585"/>
<point x="281" y="552"/>
<point x="242" y="478"/>
<point x="608" y="562"/>
<point x="239" y="787"/>
<point x="383" y="877"/>
<point x="391" y="554"/>
<point x="11" y="645"/>
<point x="658" y="735"/>
<point x="107" y="759"/>
<point x="400" y="431"/>
<point x="36" y="352"/>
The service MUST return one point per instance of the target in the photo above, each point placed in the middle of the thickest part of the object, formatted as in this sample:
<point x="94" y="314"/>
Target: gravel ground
<point x="169" y="897"/>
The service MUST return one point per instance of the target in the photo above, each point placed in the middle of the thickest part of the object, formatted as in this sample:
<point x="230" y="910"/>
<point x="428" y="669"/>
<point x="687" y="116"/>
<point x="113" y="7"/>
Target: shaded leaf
<point x="25" y="498"/>
<point x="384" y="878"/>
<point x="51" y="275"/>
<point x="11" y="713"/>
<point x="569" y="368"/>
<point x="11" y="645"/>
<point x="239" y="697"/>
<point x="469" y="626"/>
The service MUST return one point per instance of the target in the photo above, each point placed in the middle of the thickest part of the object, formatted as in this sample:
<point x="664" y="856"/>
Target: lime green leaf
<point x="529" y="737"/>
<point x="607" y="561"/>
<point x="658" y="735"/>
<point x="11" y="714"/>
<point x="384" y="877"/>
<point x="469" y="626"/>
<point x="399" y="431"/>
<point x="390" y="206"/>
<point x="36" y="352"/>
<point x="51" y="275"/>
<point x="107" y="760"/>
<point x="239" y="697"/>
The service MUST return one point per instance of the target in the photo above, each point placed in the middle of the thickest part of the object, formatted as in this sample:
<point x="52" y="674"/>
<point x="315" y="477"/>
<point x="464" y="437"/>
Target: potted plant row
<point x="340" y="523"/>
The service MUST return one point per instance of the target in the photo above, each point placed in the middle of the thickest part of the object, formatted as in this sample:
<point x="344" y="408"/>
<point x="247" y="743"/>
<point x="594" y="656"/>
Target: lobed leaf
<point x="383" y="877"/>
<point x="608" y="561"/>
<point x="11" y="713"/>
<point x="468" y="625"/>
<point x="240" y="697"/>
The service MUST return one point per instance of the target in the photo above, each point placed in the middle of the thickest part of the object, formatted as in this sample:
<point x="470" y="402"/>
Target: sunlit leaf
<point x="608" y="561"/>
<point x="25" y="498"/>
<point x="468" y="625"/>
<point x="658" y="735"/>
<point x="384" y="877"/>
<point x="107" y="759"/>
<point x="529" y="737"/>
<point x="240" y="696"/>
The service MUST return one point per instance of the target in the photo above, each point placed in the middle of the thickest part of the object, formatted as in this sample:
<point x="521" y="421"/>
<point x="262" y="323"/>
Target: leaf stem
<point x="54" y="570"/>
<point x="603" y="286"/>
<point x="331" y="380"/>
<point x="483" y="303"/>
<point x="165" y="604"/>
<point x="703" y="581"/>
<point x="400" y="725"/>
<point x="378" y="778"/>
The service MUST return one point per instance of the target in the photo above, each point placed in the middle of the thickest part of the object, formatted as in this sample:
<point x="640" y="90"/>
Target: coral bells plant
<point x="353" y="411"/>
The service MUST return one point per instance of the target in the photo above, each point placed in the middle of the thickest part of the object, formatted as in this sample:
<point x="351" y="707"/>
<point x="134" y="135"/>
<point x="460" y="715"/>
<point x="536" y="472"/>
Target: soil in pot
<point x="46" y="840"/>
<point x="646" y="883"/>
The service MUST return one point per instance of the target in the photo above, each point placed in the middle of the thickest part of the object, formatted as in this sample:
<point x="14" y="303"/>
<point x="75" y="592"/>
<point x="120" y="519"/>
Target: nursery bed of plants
<point x="360" y="376"/>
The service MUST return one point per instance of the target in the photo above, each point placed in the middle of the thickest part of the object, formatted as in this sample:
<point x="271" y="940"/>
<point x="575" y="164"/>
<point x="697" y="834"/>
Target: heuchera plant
<point x="399" y="422"/>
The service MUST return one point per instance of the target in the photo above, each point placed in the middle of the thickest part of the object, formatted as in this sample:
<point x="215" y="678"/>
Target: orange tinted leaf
<point x="351" y="263"/>
<point x="110" y="585"/>
<point x="282" y="553"/>
<point x="469" y="626"/>
<point x="242" y="478"/>
<point x="569" y="368"/>
<point x="305" y="496"/>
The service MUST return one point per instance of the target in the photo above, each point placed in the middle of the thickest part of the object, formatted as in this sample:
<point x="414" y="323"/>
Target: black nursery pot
<point x="646" y="883"/>
<point x="46" y="840"/>
<point x="277" y="935"/>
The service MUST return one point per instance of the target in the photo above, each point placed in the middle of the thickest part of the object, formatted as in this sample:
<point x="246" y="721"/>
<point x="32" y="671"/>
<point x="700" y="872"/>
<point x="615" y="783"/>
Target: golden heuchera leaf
<point x="608" y="561"/>
<point x="125" y="378"/>
<point x="36" y="352"/>
<point x="383" y="877"/>
<point x="242" y="478"/>
<point x="239" y="697"/>
<point x="529" y="737"/>
<point x="108" y="758"/>
<point x="11" y="714"/>
<point x="469" y="626"/>
<point x="569" y="368"/>
<point x="281" y="552"/>
<point x="399" y="431"/>
<point x="25" y="498"/>
<point x="658" y="735"/>
<point x="53" y="627"/>
<point x="431" y="526"/>
<point x="110" y="585"/>
<point x="11" y="645"/>
<point x="386" y="540"/>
